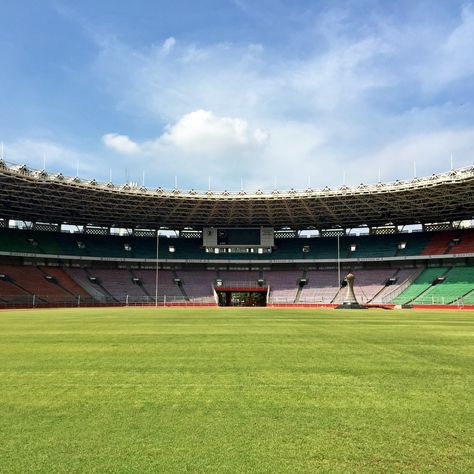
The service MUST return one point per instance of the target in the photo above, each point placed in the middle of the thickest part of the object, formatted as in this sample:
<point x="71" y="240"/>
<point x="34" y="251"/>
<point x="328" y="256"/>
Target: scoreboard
<point x="238" y="237"/>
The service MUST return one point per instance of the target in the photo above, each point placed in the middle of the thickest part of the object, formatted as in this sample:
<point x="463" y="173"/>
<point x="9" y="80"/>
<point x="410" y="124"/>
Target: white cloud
<point x="120" y="143"/>
<point x="201" y="132"/>
<point x="457" y="50"/>
<point x="168" y="44"/>
<point x="361" y="99"/>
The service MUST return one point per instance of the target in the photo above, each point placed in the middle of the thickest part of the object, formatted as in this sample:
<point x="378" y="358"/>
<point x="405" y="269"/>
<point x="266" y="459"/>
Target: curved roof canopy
<point x="37" y="196"/>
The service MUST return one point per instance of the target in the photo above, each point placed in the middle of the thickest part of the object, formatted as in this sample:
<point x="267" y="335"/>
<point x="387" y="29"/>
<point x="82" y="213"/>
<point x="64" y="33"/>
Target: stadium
<point x="302" y="302"/>
<point x="87" y="243"/>
<point x="138" y="369"/>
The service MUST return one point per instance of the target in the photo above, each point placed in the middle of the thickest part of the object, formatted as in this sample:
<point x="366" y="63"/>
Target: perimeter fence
<point x="44" y="301"/>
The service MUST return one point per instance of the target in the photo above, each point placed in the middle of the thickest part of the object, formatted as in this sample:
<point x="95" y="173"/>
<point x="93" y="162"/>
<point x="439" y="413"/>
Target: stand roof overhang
<point x="36" y="196"/>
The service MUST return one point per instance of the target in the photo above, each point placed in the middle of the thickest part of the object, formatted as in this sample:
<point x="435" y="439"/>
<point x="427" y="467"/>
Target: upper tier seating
<point x="372" y="246"/>
<point x="440" y="242"/>
<point x="319" y="248"/>
<point x="466" y="243"/>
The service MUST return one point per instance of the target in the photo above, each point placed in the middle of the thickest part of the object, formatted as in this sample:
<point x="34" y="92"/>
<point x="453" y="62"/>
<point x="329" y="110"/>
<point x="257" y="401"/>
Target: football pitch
<point x="236" y="390"/>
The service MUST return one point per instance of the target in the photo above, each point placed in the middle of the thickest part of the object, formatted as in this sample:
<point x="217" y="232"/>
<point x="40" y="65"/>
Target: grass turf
<point x="240" y="390"/>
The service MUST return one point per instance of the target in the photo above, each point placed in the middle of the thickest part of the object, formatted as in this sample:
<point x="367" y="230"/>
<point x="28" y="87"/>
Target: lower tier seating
<point x="432" y="285"/>
<point x="283" y="285"/>
<point x="420" y="285"/>
<point x="322" y="286"/>
<point x="458" y="283"/>
<point x="198" y="284"/>
<point x="401" y="280"/>
<point x="32" y="280"/>
<point x="368" y="284"/>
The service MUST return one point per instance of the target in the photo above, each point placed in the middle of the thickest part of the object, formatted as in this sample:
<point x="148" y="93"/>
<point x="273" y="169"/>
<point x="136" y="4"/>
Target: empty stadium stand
<point x="105" y="247"/>
<point x="27" y="285"/>
<point x="402" y="279"/>
<point x="440" y="243"/>
<point x="469" y="298"/>
<point x="239" y="278"/>
<point x="457" y="283"/>
<point x="420" y="285"/>
<point x="198" y="284"/>
<point x="322" y="286"/>
<point x="80" y="268"/>
<point x="166" y="284"/>
<point x="463" y="243"/>
<point x="64" y="281"/>
<point x="283" y="285"/>
<point x="368" y="284"/>
<point x="33" y="281"/>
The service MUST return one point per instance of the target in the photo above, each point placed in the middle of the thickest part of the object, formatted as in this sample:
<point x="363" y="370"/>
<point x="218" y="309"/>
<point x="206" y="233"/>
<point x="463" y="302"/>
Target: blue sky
<point x="301" y="93"/>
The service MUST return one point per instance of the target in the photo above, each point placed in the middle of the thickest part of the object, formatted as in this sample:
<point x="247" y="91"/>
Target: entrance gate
<point x="242" y="296"/>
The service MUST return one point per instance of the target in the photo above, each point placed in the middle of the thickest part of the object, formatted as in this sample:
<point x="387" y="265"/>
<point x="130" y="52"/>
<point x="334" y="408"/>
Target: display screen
<point x="238" y="237"/>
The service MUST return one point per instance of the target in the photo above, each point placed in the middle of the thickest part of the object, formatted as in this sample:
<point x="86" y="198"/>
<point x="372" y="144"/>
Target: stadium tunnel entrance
<point x="242" y="296"/>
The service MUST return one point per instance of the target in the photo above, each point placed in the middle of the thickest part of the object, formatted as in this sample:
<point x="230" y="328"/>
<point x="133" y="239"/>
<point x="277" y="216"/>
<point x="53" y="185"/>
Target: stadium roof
<point x="36" y="196"/>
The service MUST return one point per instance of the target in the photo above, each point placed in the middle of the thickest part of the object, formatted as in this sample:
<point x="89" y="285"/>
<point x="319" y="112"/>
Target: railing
<point x="431" y="300"/>
<point x="397" y="291"/>
<point x="302" y="300"/>
<point x="41" y="175"/>
<point x="239" y="284"/>
<point x="440" y="300"/>
<point x="42" y="301"/>
<point x="35" y="301"/>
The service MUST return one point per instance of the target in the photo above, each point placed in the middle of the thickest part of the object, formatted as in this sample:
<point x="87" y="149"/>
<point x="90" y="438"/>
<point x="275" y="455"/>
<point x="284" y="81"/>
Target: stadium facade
<point x="234" y="248"/>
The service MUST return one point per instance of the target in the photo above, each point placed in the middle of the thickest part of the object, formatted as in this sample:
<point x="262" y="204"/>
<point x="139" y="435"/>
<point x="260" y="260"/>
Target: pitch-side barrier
<point x="41" y="301"/>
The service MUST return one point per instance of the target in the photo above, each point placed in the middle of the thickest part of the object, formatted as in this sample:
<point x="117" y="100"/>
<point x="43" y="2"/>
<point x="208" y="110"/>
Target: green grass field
<point x="236" y="390"/>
